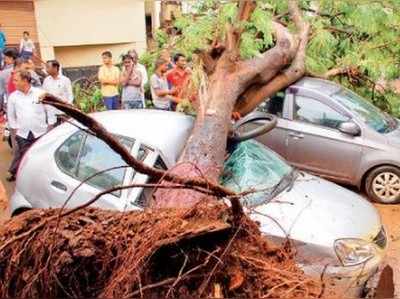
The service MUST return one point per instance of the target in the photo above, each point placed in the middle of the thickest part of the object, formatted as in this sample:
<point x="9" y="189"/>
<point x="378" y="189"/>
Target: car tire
<point x="383" y="185"/>
<point x="20" y="211"/>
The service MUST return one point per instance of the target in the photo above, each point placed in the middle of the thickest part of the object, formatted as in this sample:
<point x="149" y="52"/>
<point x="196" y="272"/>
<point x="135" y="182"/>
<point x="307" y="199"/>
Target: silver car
<point x="330" y="131"/>
<point x="330" y="226"/>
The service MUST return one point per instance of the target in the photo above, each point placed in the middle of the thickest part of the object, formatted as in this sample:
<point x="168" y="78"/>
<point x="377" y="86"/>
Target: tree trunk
<point x="205" y="150"/>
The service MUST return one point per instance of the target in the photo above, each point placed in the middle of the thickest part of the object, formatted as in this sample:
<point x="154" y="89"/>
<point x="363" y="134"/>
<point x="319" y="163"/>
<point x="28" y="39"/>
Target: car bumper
<point x="18" y="201"/>
<point x="350" y="280"/>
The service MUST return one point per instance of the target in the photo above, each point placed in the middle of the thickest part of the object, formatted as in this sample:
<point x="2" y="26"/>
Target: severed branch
<point x="234" y="31"/>
<point x="232" y="38"/>
<point x="209" y="62"/>
<point x="100" y="132"/>
<point x="265" y="67"/>
<point x="254" y="96"/>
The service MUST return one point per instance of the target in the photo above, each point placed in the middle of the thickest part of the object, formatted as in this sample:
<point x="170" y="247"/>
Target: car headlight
<point x="352" y="252"/>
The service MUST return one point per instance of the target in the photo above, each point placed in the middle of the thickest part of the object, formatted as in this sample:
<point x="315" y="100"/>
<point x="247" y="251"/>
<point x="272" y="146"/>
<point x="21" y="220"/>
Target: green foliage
<point x="161" y="38"/>
<point x="88" y="98"/>
<point x="227" y="14"/>
<point x="197" y="35"/>
<point x="261" y="21"/>
<point x="361" y="34"/>
<point x="250" y="45"/>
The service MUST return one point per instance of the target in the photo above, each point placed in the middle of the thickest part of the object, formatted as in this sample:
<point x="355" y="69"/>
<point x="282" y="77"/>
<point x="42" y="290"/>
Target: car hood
<point x="318" y="212"/>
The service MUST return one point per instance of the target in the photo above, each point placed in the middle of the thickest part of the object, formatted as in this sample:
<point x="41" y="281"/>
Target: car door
<point x="141" y="197"/>
<point x="276" y="138"/>
<point x="82" y="160"/>
<point x="135" y="196"/>
<point x="314" y="142"/>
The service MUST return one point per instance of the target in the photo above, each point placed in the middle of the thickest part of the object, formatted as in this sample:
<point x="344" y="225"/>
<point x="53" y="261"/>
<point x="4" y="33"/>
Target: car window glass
<point x="97" y="156"/>
<point x="67" y="155"/>
<point x="144" y="151"/>
<point x="274" y="105"/>
<point x="315" y="112"/>
<point x="146" y="193"/>
<point x="253" y="166"/>
<point x="370" y="114"/>
<point x="160" y="164"/>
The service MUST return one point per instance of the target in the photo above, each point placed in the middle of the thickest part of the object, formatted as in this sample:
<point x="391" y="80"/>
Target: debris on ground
<point x="196" y="253"/>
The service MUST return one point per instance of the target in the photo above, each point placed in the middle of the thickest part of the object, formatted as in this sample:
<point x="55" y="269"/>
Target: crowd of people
<point x="21" y="88"/>
<point x="121" y="87"/>
<point x="166" y="84"/>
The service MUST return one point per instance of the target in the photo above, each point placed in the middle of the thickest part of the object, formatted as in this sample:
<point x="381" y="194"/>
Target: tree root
<point x="162" y="254"/>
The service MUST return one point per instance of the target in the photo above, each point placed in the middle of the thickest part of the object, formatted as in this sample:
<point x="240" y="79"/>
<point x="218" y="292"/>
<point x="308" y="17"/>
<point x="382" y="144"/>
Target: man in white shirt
<point x="140" y="67"/>
<point x="28" y="119"/>
<point x="26" y="46"/>
<point x="57" y="85"/>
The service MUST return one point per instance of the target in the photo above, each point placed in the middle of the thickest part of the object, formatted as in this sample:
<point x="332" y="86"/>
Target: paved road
<point x="390" y="215"/>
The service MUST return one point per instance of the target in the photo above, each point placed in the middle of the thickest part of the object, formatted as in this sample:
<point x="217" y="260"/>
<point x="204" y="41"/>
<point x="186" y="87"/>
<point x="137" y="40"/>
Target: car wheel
<point x="19" y="211"/>
<point x="383" y="185"/>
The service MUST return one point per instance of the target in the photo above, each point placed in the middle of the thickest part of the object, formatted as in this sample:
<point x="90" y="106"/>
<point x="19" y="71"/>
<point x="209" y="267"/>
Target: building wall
<point x="77" y="31"/>
<point x="17" y="17"/>
<point x="88" y="55"/>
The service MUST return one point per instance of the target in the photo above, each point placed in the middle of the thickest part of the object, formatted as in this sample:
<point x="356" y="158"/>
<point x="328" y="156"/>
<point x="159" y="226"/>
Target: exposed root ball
<point x="169" y="253"/>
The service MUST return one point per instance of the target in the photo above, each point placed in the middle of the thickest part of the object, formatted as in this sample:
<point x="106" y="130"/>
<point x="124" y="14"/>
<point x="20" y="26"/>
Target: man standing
<point x="28" y="65"/>
<point x="26" y="46"/>
<point x="131" y="81"/>
<point x="179" y="76"/>
<point x="17" y="67"/>
<point x="27" y="117"/>
<point x="10" y="55"/>
<point x="2" y="45"/>
<point x="109" y="79"/>
<point x="160" y="93"/>
<point x="140" y="67"/>
<point x="166" y="55"/>
<point x="58" y="85"/>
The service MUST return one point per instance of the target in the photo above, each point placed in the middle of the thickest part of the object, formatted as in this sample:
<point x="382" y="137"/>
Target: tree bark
<point x="257" y="93"/>
<point x="205" y="150"/>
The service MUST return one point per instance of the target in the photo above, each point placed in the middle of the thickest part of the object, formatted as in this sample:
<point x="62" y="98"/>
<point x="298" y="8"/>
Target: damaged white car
<point x="334" y="231"/>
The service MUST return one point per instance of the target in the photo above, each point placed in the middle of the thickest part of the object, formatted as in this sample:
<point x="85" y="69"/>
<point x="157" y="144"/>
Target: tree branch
<point x="269" y="63"/>
<point x="101" y="133"/>
<point x="209" y="62"/>
<point x="234" y="31"/>
<point x="255" y="95"/>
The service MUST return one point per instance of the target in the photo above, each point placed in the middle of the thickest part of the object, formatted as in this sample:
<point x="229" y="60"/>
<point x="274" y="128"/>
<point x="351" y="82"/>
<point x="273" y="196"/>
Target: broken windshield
<point x="252" y="166"/>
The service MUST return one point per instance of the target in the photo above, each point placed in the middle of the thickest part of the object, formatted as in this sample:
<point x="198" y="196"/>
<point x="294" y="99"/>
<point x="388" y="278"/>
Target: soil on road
<point x="389" y="213"/>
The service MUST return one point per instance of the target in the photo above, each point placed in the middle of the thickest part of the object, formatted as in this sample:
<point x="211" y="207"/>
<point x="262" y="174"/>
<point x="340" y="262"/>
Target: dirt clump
<point x="194" y="253"/>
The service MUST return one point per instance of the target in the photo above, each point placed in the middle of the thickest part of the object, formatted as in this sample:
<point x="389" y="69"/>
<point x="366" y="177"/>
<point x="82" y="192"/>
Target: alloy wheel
<point x="386" y="186"/>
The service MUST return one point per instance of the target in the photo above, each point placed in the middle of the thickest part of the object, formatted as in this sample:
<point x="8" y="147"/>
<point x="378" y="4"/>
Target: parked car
<point x="329" y="225"/>
<point x="326" y="129"/>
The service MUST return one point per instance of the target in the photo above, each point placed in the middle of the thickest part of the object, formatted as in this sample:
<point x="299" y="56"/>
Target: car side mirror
<point x="350" y="128"/>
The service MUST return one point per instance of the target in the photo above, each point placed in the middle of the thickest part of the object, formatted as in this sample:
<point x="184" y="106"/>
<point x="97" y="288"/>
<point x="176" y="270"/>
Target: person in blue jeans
<point x="131" y="81"/>
<point x="3" y="42"/>
<point x="109" y="76"/>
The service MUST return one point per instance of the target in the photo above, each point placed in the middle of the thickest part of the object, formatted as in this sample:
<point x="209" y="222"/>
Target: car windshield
<point x="370" y="114"/>
<point x="252" y="166"/>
